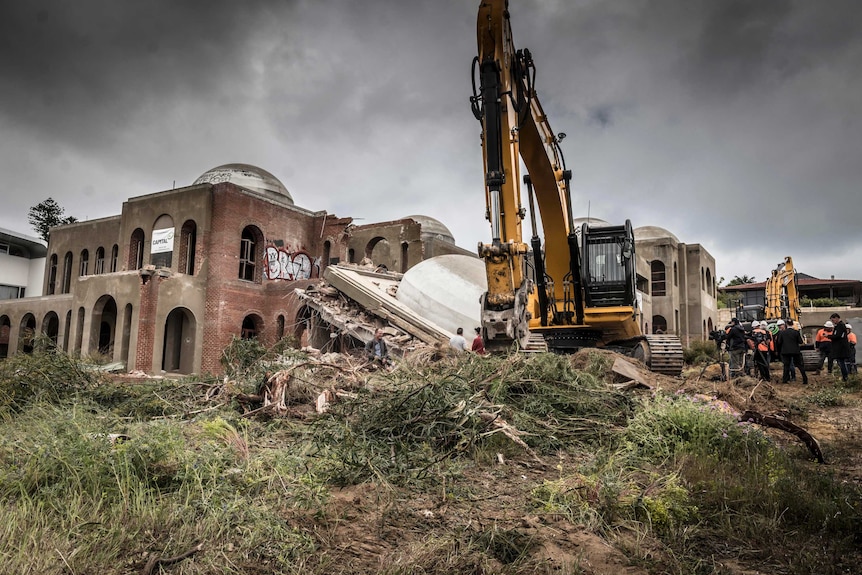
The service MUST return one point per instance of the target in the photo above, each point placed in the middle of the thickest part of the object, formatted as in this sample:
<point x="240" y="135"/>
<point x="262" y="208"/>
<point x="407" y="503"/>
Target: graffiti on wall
<point x="282" y="264"/>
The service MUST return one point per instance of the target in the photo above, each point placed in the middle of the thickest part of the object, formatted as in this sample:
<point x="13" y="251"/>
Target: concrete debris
<point x="352" y="298"/>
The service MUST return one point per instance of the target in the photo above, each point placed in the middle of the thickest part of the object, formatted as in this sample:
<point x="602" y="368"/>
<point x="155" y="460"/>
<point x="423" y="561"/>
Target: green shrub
<point x="46" y="374"/>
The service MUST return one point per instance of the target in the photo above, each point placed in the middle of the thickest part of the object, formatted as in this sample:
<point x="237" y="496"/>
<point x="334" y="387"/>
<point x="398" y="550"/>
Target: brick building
<point x="166" y="284"/>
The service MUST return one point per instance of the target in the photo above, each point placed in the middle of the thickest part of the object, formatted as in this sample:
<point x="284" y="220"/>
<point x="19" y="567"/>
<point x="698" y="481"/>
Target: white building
<point x="22" y="265"/>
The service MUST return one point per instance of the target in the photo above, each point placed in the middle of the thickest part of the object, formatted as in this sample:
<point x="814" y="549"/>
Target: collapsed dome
<point x="246" y="176"/>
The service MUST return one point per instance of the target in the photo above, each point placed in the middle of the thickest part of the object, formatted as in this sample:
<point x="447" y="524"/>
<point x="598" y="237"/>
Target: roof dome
<point x="653" y="233"/>
<point x="245" y="176"/>
<point x="578" y="222"/>
<point x="433" y="227"/>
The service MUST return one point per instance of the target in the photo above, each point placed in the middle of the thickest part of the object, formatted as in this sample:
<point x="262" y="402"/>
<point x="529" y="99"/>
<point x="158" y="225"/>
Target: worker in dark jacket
<point x="788" y="344"/>
<point x="840" y="344"/>
<point x="736" y="347"/>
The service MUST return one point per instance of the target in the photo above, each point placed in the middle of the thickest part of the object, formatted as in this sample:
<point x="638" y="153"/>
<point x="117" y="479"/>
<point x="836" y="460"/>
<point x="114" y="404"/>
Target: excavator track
<point x="661" y="353"/>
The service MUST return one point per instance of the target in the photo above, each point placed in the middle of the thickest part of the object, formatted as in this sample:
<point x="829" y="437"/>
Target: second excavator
<point x="577" y="288"/>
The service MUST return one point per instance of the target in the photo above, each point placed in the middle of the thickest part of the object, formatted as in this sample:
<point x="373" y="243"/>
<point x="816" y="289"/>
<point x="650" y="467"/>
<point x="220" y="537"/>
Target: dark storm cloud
<point x="81" y="70"/>
<point x="711" y="118"/>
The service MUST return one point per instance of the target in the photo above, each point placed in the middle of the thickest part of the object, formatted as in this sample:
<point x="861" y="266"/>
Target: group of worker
<point x="459" y="343"/>
<point x="836" y="345"/>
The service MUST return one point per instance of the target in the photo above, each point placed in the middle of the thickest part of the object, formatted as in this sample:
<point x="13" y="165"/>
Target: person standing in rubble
<point x="788" y="344"/>
<point x="478" y="343"/>
<point x="823" y="344"/>
<point x="736" y="347"/>
<point x="840" y="344"/>
<point x="761" y="339"/>
<point x="457" y="342"/>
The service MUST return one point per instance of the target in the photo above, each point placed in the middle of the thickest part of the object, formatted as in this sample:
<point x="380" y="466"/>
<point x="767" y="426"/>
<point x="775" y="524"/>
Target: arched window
<point x="658" y="281"/>
<point x="351" y="256"/>
<point x="327" y="254"/>
<point x="188" y="247"/>
<point x="85" y="263"/>
<point x="250" y="252"/>
<point x="404" y="264"/>
<point x="675" y="275"/>
<point x="99" y="268"/>
<point x="114" y="251"/>
<point x="279" y="327"/>
<point x="702" y="279"/>
<point x="659" y="324"/>
<point x="52" y="275"/>
<point x="162" y="248"/>
<point x="709" y="283"/>
<point x="136" y="250"/>
<point x="67" y="273"/>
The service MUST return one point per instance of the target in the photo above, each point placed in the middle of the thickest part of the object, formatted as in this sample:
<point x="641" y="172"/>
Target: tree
<point x="47" y="214"/>
<point x="737" y="280"/>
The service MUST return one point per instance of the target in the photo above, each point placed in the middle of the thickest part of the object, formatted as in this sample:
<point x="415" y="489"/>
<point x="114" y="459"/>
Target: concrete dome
<point x="594" y="222"/>
<point x="653" y="233"/>
<point x="446" y="290"/>
<point x="246" y="176"/>
<point x="433" y="227"/>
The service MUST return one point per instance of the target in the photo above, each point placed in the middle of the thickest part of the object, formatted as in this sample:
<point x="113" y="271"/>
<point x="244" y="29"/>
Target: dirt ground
<point x="371" y="527"/>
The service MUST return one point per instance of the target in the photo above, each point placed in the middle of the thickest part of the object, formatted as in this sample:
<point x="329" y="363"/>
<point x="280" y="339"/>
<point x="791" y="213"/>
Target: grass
<point x="402" y="479"/>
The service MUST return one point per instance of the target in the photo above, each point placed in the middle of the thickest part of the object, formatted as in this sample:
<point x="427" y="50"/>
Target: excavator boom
<point x="577" y="287"/>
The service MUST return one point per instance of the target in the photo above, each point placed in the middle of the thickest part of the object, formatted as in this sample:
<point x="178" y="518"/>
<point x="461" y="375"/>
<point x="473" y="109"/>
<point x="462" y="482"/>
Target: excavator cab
<point x="608" y="265"/>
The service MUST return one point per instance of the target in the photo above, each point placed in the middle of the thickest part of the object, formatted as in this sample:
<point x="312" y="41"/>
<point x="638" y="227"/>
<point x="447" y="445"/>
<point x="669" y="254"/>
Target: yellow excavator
<point x="781" y="298"/>
<point x="781" y="302"/>
<point x="577" y="288"/>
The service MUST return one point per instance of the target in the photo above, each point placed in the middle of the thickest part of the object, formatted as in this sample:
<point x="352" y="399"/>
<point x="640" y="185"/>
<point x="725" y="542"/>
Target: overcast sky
<point x="735" y="124"/>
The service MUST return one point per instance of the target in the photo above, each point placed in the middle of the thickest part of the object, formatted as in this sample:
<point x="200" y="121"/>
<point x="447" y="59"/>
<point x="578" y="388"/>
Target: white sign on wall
<point x="163" y="241"/>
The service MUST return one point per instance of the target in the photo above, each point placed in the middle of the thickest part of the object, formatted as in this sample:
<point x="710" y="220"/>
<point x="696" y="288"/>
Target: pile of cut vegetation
<point x="513" y="464"/>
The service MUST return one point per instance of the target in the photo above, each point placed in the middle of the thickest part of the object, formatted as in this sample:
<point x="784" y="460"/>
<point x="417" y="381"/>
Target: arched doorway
<point x="51" y="327"/>
<point x="5" y="328"/>
<point x="27" y="333"/>
<point x="104" y="326"/>
<point x="659" y="324"/>
<point x="178" y="352"/>
<point x="252" y="326"/>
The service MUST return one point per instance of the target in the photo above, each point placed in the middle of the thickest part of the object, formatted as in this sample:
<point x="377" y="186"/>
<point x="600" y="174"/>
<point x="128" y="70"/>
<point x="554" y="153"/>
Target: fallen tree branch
<point x="156" y="561"/>
<point x="784" y="425"/>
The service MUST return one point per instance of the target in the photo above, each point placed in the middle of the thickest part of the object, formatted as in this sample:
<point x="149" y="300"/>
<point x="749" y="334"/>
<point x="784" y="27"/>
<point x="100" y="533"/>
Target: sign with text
<point x="163" y="241"/>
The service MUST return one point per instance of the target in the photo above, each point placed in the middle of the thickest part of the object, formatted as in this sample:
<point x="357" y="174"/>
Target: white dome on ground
<point x="652" y="233"/>
<point x="432" y="227"/>
<point x="245" y="176"/>
<point x="446" y="290"/>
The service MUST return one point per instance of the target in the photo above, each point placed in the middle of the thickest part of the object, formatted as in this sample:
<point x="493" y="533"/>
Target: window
<point x="11" y="292"/>
<point x="136" y="250"/>
<point x="99" y="268"/>
<point x="247" y="254"/>
<point x="114" y="251"/>
<point x="659" y="287"/>
<point x="188" y="240"/>
<point x="4" y="248"/>
<point x="67" y="273"/>
<point x="85" y="263"/>
<point x="52" y="275"/>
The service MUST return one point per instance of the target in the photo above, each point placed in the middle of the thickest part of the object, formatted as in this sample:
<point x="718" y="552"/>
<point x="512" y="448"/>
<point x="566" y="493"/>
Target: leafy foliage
<point x="46" y="215"/>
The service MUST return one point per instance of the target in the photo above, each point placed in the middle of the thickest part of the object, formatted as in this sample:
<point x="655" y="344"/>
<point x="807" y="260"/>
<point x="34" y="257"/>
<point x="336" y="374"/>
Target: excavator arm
<point x="577" y="288"/>
<point x="782" y="293"/>
<point x="514" y="127"/>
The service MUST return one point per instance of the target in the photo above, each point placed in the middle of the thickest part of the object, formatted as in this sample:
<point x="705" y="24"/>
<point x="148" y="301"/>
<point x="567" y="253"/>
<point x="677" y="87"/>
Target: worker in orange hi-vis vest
<point x="762" y="338"/>
<point x="823" y="344"/>
<point x="851" y="338"/>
